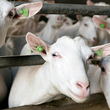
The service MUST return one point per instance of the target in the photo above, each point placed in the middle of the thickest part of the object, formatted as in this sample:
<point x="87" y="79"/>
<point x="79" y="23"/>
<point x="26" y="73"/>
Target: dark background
<point x="76" y="1"/>
<point x="71" y="2"/>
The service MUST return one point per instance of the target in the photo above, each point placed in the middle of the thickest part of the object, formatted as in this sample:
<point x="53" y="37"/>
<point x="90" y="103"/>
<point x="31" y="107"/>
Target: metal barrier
<point x="72" y="9"/>
<point x="13" y="61"/>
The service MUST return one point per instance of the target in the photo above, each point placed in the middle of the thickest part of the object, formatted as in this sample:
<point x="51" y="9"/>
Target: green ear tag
<point x="80" y="18"/>
<point x="25" y="12"/>
<point x="21" y="11"/>
<point x="39" y="48"/>
<point x="99" y="52"/>
<point x="102" y="25"/>
<point x="31" y="51"/>
<point x="94" y="62"/>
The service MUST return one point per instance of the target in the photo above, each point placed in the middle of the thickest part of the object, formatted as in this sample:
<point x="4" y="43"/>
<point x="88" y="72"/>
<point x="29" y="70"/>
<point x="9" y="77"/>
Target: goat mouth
<point x="79" y="97"/>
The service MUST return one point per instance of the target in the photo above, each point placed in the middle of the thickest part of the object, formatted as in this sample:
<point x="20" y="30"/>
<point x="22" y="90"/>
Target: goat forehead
<point x="63" y="44"/>
<point x="5" y="6"/>
<point x="87" y="19"/>
<point x="68" y="46"/>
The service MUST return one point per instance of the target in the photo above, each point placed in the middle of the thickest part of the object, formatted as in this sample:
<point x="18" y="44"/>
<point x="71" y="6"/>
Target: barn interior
<point x="95" y="101"/>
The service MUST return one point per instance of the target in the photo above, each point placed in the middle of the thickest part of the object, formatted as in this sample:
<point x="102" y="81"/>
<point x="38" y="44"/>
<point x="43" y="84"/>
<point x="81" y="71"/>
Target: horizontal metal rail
<point x="14" y="61"/>
<point x="73" y="9"/>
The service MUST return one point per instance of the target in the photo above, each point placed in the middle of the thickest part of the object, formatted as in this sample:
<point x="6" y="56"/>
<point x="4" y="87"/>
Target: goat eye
<point x="103" y="70"/>
<point x="11" y="14"/>
<point x="90" y="57"/>
<point x="85" y="25"/>
<point x="55" y="54"/>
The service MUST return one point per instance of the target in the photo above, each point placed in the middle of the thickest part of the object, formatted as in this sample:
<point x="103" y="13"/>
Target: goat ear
<point x="89" y="2"/>
<point x="105" y="49"/>
<point x="34" y="42"/>
<point x="79" y="17"/>
<point x="32" y="9"/>
<point x="98" y="22"/>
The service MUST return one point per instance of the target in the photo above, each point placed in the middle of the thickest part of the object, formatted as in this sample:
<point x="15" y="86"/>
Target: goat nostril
<point x="79" y="85"/>
<point x="83" y="86"/>
<point x="88" y="87"/>
<point x="95" y="39"/>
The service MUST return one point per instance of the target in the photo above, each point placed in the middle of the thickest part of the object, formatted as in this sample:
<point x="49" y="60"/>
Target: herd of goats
<point x="77" y="54"/>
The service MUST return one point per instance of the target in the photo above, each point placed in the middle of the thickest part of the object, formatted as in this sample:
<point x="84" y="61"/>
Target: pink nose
<point x="83" y="87"/>
<point x="95" y="39"/>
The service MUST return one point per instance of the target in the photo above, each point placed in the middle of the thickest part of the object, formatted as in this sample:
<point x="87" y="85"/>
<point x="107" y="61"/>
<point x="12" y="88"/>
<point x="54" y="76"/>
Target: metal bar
<point x="73" y="9"/>
<point x="95" y="102"/>
<point x="14" y="61"/>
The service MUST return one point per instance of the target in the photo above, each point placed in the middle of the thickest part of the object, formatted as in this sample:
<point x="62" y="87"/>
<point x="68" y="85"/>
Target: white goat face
<point x="87" y="30"/>
<point x="56" y="20"/>
<point x="68" y="61"/>
<point x="67" y="64"/>
<point x="7" y="12"/>
<point x="105" y="77"/>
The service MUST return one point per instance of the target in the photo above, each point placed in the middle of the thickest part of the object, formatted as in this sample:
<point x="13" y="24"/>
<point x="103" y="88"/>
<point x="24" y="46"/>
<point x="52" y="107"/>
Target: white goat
<point x="7" y="13"/>
<point x="84" y="27"/>
<point x="100" y="77"/>
<point x="103" y="36"/>
<point x="21" y="27"/>
<point x="67" y="22"/>
<point x="39" y="84"/>
<point x="49" y="32"/>
<point x="104" y="33"/>
<point x="89" y="2"/>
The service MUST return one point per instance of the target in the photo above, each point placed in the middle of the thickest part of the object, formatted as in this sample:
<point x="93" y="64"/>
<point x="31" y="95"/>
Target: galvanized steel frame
<point x="12" y="61"/>
<point x="72" y="9"/>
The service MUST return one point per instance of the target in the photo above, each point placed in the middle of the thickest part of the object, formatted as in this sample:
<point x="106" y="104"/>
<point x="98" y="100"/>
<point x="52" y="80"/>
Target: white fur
<point x="89" y="2"/>
<point x="68" y="22"/>
<point x="48" y="34"/>
<point x="101" y="4"/>
<point x="104" y="37"/>
<point x="5" y="21"/>
<point x="79" y="28"/>
<point x="59" y="75"/>
<point x="100" y="81"/>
